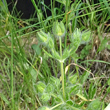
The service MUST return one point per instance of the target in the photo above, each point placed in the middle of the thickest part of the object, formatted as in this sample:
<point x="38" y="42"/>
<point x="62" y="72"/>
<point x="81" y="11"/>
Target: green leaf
<point x="74" y="89"/>
<point x="76" y="37"/>
<point x="55" y="54"/>
<point x="58" y="98"/>
<point x="44" y="108"/>
<point x="103" y="44"/>
<point x="81" y="96"/>
<point x="2" y="97"/>
<point x="48" y="53"/>
<point x="49" y="88"/>
<point x="69" y="102"/>
<point x="73" y="79"/>
<point x="108" y="89"/>
<point x="85" y="36"/>
<point x="43" y="36"/>
<point x="46" y="39"/>
<point x="33" y="73"/>
<point x="62" y="2"/>
<point x="75" y="40"/>
<point x="108" y="47"/>
<point x="55" y="82"/>
<point x="108" y="81"/>
<point x="94" y="105"/>
<point x="92" y="90"/>
<point x="84" y="77"/>
<point x="50" y="44"/>
<point x="45" y="97"/>
<point x="66" y="54"/>
<point x="40" y="87"/>
<point x="67" y="106"/>
<point x="37" y="49"/>
<point x="85" y="51"/>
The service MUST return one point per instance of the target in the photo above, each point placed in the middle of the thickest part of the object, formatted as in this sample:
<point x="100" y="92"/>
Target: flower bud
<point x="75" y="41"/>
<point x="43" y="36"/>
<point x="46" y="39"/>
<point x="85" y="36"/>
<point x="76" y="37"/>
<point x="58" y="29"/>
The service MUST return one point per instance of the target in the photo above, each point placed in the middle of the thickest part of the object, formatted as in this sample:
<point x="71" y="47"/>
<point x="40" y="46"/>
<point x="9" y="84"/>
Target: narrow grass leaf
<point x="84" y="77"/>
<point x="92" y="91"/>
<point x="4" y="99"/>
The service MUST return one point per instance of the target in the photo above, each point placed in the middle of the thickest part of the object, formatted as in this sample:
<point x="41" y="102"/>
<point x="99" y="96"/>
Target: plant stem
<point x="56" y="106"/>
<point x="11" y="91"/>
<point x="62" y="75"/>
<point x="62" y="70"/>
<point x="66" y="17"/>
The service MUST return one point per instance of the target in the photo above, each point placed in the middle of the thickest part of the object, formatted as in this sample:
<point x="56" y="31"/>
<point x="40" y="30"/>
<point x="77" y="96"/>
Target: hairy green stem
<point x="62" y="70"/>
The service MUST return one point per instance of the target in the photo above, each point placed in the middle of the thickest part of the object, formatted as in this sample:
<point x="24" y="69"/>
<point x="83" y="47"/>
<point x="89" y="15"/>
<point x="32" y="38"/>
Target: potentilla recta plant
<point x="59" y="32"/>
